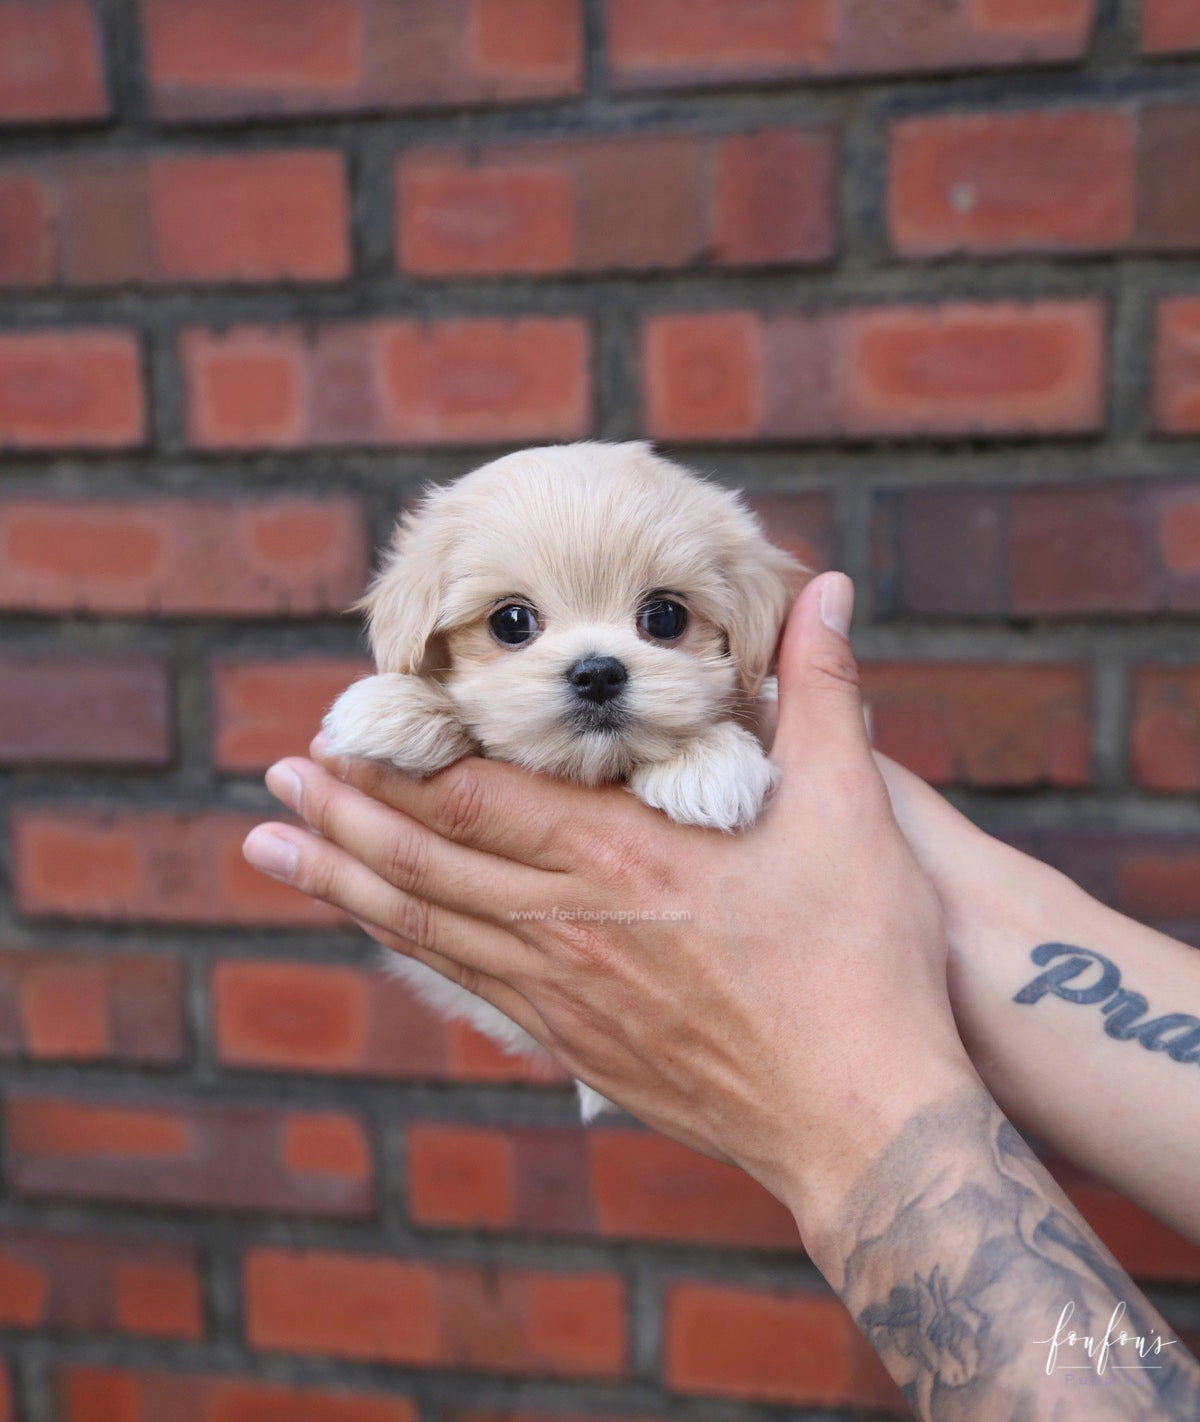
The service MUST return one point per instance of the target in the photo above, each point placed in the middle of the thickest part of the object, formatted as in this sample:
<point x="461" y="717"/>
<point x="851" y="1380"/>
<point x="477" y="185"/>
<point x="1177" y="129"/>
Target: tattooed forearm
<point x="987" y="1296"/>
<point x="1083" y="976"/>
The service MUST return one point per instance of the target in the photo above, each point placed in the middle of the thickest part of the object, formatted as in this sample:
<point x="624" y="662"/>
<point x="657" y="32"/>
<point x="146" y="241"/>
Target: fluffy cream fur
<point x="583" y="534"/>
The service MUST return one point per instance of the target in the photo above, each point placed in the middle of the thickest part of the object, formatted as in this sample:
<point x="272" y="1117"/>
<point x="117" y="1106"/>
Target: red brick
<point x="617" y="1184"/>
<point x="772" y="1347"/>
<point x="67" y="1015"/>
<point x="405" y="1312"/>
<point x="107" y="231"/>
<point x="444" y="382"/>
<point x="555" y="206"/>
<point x="251" y="216"/>
<point x="470" y="382"/>
<point x="157" y="1298"/>
<point x="1159" y="883"/>
<point x="801" y="523"/>
<point x="245" y="57"/>
<point x="980" y="724"/>
<point x="272" y="215"/>
<point x="663" y="41"/>
<point x="1078" y="550"/>
<point x="1165" y="734"/>
<point x="676" y="43"/>
<point x="1067" y="550"/>
<point x="703" y="375"/>
<point x="966" y="368"/>
<point x="1179" y="534"/>
<point x="28" y="230"/>
<point x="284" y="556"/>
<point x="1168" y="209"/>
<point x="460" y="1175"/>
<point x="774" y="198"/>
<point x="643" y="204"/>
<point x="309" y="1017"/>
<point x="529" y="39"/>
<point x="1057" y="181"/>
<point x="326" y="1144"/>
<point x="90" y="1006"/>
<point x="79" y="1283"/>
<point x="359" y="1307"/>
<point x="288" y="48"/>
<point x="24" y="1290"/>
<point x="542" y="207"/>
<point x="1170" y="26"/>
<point x="196" y="1155"/>
<point x="455" y="218"/>
<point x="1177" y="365"/>
<point x="245" y="388"/>
<point x="154" y="866"/>
<point x="951" y="546"/>
<point x="474" y="1057"/>
<point x="85" y="710"/>
<point x="88" y="1394"/>
<point x="264" y="710"/>
<point x="70" y="389"/>
<point x="1145" y="1248"/>
<point x="51" y="69"/>
<point x="646" y="1187"/>
<point x="552" y="1192"/>
<point x="956" y="369"/>
<point x="91" y="1395"/>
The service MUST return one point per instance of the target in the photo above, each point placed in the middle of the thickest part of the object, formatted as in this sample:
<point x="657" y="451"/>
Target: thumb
<point x="820" y="703"/>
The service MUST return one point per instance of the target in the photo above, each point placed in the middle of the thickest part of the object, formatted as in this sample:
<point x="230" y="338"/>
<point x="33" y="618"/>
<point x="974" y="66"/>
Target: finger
<point x="324" y="871"/>
<point x="403" y="852"/>
<point x="488" y="805"/>
<point x="501" y="996"/>
<point x="820" y="702"/>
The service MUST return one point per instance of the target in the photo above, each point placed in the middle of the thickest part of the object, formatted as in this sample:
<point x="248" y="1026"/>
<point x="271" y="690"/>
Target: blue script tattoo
<point x="1082" y="976"/>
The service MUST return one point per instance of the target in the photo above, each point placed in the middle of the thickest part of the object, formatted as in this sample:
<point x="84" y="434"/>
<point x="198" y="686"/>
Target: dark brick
<point x="189" y="1154"/>
<point x="85" y="711"/>
<point x="89" y="1005"/>
<point x="1168" y="196"/>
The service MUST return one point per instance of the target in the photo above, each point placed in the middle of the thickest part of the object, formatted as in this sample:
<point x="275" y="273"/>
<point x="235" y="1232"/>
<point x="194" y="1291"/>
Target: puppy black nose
<point x="598" y="678"/>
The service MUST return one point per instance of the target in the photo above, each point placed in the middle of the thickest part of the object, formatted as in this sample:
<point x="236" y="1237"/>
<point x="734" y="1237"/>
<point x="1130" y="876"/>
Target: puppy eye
<point x="513" y="624"/>
<point x="662" y="619"/>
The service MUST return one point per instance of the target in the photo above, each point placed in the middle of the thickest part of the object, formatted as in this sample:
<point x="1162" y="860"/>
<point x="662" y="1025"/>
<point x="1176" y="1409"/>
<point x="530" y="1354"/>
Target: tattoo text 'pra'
<point x="1085" y="977"/>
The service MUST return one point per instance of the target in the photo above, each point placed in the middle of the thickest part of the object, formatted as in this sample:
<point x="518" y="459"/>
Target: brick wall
<point x="919" y="274"/>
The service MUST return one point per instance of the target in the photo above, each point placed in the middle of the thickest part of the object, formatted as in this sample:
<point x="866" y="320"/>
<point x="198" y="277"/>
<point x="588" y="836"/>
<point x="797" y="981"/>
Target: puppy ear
<point x="764" y="582"/>
<point x="404" y="602"/>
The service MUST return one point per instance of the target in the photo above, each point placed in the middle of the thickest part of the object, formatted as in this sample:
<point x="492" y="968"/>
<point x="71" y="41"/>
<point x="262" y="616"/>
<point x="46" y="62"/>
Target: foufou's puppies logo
<point x="1086" y="1357"/>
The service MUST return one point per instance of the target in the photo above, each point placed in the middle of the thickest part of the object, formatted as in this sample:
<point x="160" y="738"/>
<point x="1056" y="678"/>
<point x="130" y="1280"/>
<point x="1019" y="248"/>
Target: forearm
<point x="1084" y="1025"/>
<point x="969" y="1271"/>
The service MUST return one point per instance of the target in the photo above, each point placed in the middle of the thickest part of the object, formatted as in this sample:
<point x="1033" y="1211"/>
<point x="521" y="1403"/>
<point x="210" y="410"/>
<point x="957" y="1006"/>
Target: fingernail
<point x="274" y="856"/>
<point x="284" y="784"/>
<point x="318" y="747"/>
<point x="837" y="603"/>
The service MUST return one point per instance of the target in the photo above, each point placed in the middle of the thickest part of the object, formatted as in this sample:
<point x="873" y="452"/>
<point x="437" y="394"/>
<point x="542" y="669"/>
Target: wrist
<point x="820" y="1172"/>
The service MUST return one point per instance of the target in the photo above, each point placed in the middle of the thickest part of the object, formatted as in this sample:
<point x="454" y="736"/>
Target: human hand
<point x="776" y="998"/>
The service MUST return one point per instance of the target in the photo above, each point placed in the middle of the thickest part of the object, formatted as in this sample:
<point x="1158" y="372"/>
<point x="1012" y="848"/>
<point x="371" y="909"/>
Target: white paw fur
<point x="720" y="780"/>
<point x="406" y="720"/>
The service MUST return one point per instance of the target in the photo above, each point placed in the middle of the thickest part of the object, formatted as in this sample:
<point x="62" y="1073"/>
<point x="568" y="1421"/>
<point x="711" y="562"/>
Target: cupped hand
<point x="775" y="998"/>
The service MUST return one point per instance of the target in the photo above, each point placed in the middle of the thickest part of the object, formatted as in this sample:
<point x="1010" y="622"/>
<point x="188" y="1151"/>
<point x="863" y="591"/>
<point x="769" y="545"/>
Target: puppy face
<point x="588" y="607"/>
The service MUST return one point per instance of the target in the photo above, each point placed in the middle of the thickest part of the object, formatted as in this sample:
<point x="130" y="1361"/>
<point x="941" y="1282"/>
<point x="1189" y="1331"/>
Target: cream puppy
<point x="592" y="611"/>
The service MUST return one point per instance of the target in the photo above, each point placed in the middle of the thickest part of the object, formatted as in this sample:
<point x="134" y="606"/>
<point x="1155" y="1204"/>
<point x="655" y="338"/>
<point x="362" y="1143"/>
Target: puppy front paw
<point x="720" y="780"/>
<point x="401" y="719"/>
